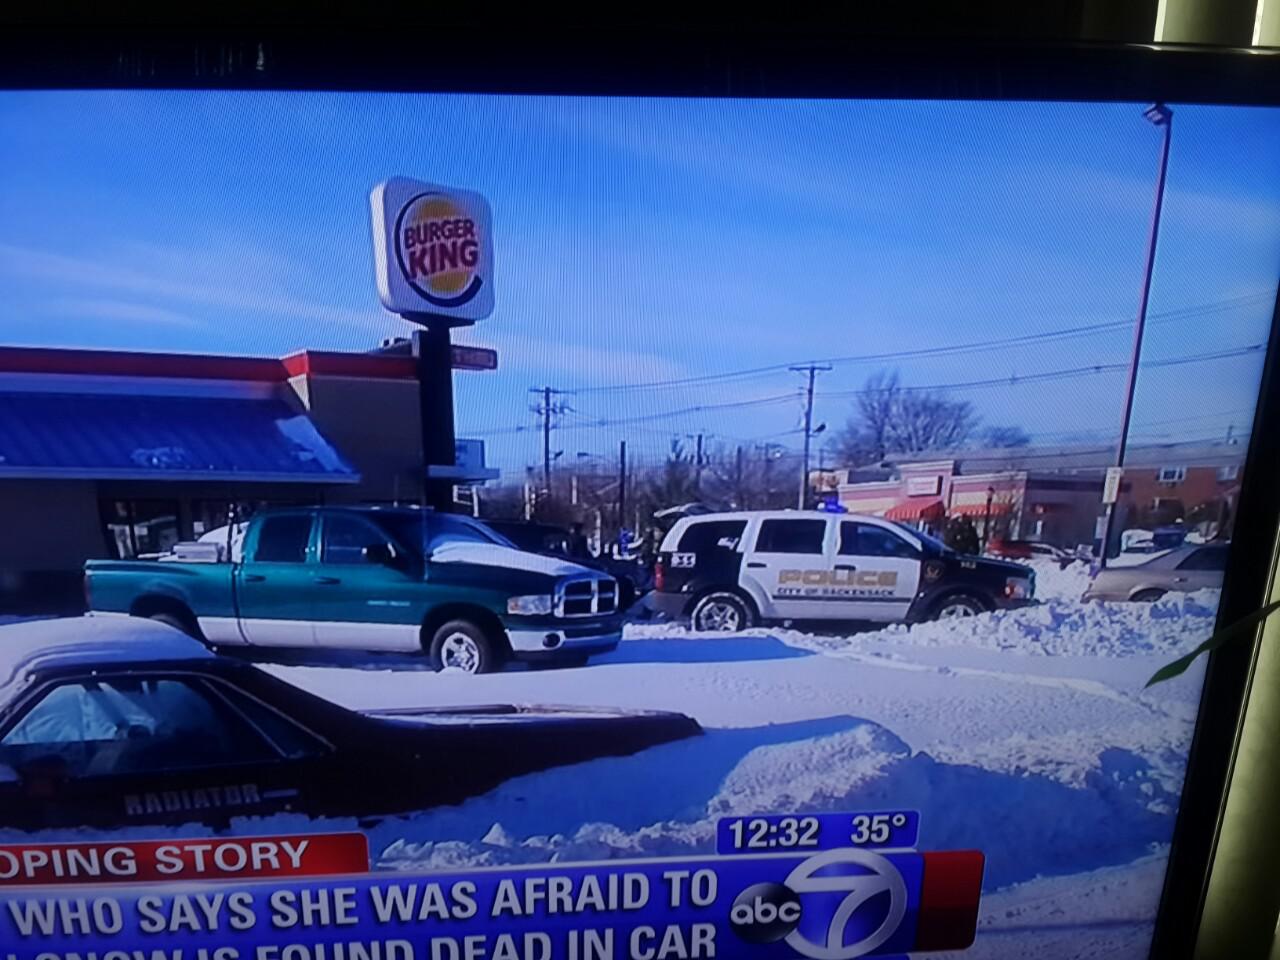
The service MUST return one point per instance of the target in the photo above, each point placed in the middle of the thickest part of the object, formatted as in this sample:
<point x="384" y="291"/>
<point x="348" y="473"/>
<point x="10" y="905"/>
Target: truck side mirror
<point x="381" y="553"/>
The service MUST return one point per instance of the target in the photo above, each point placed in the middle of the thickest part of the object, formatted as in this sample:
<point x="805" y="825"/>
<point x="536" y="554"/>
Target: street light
<point x="1159" y="115"/>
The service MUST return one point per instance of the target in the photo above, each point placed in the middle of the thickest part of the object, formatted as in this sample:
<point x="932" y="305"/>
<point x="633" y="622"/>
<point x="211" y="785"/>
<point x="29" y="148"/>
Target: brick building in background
<point x="1050" y="494"/>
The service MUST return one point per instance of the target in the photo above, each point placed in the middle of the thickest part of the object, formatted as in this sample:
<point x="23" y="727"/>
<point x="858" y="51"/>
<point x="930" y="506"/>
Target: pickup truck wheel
<point x="463" y="645"/>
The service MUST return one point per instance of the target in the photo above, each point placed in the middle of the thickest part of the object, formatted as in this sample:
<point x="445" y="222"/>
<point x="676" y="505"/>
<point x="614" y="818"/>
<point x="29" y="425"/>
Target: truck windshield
<point x="413" y="531"/>
<point x="927" y="539"/>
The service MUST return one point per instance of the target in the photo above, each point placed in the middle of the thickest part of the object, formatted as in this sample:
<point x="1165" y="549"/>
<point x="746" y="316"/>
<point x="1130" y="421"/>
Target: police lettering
<point x="839" y="578"/>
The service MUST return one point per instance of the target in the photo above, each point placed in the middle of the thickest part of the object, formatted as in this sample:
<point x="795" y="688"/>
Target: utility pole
<point x="546" y="409"/>
<point x="812" y="370"/>
<point x="737" y="480"/>
<point x="622" y="487"/>
<point x="1161" y="116"/>
<point x="697" y="470"/>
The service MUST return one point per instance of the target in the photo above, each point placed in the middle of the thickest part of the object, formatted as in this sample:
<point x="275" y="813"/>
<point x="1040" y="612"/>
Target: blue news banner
<point x="830" y="905"/>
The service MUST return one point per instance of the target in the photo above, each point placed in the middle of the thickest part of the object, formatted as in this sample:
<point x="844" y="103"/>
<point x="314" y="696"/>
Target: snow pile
<point x="1055" y="582"/>
<point x="1173" y="624"/>
<point x="815" y="774"/>
<point x="1149" y="769"/>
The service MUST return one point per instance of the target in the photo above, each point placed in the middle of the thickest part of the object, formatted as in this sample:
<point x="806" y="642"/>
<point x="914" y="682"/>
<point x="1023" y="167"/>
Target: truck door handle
<point x="846" y="566"/>
<point x="253" y="578"/>
<point x="327" y="581"/>
<point x="756" y="564"/>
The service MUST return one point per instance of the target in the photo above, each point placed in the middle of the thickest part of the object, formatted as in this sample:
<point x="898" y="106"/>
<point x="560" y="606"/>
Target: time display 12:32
<point x="892" y="829"/>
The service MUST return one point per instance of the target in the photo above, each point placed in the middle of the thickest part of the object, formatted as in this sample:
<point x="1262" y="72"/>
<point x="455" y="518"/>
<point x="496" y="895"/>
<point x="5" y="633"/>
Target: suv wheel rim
<point x="954" y="610"/>
<point x="719" y="615"/>
<point x="461" y="651"/>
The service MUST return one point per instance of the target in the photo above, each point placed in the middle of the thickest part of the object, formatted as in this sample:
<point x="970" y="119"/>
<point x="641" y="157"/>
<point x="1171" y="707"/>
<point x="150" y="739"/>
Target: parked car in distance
<point x="1184" y="569"/>
<point x="109" y="723"/>
<point x="730" y="571"/>
<point x="1029" y="550"/>
<point x="371" y="578"/>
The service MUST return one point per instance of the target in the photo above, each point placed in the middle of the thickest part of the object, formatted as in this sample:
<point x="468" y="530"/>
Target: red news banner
<point x="229" y="858"/>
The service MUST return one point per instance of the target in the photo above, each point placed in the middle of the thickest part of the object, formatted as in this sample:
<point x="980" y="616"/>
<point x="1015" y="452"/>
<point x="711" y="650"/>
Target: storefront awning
<point x="998" y="507"/>
<point x="153" y="437"/>
<point x="916" y="508"/>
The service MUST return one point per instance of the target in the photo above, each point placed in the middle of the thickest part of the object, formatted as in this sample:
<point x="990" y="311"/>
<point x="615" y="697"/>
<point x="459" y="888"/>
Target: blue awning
<point x="150" y="437"/>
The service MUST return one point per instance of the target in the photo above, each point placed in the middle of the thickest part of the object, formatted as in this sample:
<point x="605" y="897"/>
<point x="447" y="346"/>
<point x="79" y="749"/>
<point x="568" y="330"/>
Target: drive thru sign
<point x="433" y="250"/>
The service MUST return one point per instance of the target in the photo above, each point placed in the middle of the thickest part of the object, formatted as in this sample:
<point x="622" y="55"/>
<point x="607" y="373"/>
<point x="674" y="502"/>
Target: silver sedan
<point x="1186" y="568"/>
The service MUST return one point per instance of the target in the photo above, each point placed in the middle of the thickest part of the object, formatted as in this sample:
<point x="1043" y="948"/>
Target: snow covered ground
<point x="1026" y="734"/>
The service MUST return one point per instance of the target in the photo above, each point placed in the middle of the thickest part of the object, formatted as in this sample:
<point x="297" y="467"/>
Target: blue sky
<point x="641" y="241"/>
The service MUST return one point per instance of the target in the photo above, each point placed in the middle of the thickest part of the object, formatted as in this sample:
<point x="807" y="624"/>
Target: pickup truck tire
<point x="462" y="644"/>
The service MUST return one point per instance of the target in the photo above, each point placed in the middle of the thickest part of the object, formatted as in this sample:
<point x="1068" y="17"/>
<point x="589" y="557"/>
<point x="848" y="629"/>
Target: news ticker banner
<point x="282" y="898"/>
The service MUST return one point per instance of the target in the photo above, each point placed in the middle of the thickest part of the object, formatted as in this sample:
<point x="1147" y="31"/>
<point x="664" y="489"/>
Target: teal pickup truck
<point x="371" y="578"/>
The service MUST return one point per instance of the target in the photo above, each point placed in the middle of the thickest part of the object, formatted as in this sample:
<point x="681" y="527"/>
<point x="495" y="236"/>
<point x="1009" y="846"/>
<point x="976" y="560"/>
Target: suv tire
<point x="959" y="605"/>
<point x="721" y="611"/>
<point x="461" y="644"/>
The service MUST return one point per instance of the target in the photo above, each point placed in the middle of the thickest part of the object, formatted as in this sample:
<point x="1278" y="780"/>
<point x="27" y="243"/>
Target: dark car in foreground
<point x="110" y="723"/>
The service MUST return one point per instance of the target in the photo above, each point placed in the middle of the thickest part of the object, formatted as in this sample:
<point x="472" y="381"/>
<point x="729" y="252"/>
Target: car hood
<point x="508" y="558"/>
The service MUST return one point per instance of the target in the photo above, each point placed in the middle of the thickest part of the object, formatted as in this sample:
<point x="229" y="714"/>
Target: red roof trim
<point x="323" y="363"/>
<point x="189" y="366"/>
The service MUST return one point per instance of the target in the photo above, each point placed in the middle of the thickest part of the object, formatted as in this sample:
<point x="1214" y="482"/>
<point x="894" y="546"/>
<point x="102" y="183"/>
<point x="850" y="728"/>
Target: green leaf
<point x="1241" y="627"/>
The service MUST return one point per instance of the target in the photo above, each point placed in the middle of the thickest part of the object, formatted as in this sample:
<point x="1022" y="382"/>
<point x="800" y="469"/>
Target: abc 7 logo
<point x="769" y="912"/>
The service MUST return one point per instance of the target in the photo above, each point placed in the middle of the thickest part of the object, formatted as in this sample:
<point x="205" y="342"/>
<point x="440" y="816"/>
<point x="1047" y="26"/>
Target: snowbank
<point x="1055" y="627"/>
<point x="1054" y="582"/>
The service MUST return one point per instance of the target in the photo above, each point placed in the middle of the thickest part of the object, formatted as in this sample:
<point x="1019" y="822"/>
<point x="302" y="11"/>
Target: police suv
<point x="730" y="571"/>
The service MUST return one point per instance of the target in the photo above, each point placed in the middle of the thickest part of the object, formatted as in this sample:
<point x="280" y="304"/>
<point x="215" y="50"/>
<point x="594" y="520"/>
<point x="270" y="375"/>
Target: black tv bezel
<point x="720" y="63"/>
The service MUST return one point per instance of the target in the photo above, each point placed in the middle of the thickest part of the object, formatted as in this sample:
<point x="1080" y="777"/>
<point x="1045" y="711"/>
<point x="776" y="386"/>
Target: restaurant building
<point x="117" y="454"/>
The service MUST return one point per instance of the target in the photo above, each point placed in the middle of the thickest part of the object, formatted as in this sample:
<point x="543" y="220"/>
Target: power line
<point x="1065" y="374"/>
<point x="1014" y="381"/>
<point x="1219" y="306"/>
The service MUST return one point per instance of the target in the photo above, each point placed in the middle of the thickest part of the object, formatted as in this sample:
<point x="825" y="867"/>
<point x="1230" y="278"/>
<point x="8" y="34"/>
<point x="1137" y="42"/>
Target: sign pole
<point x="433" y="354"/>
<point x="433" y="265"/>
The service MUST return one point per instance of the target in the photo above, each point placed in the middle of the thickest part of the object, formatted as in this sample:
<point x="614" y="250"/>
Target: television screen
<point x="446" y="527"/>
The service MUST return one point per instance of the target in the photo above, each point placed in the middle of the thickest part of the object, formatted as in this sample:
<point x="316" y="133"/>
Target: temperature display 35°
<point x="876" y="830"/>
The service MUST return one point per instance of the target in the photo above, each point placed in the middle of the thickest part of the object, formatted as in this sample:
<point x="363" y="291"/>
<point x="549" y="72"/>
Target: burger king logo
<point x="438" y="247"/>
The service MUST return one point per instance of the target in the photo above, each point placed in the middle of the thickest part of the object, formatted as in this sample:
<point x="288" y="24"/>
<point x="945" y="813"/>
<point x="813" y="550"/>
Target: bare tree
<point x="1006" y="437"/>
<point x="892" y="419"/>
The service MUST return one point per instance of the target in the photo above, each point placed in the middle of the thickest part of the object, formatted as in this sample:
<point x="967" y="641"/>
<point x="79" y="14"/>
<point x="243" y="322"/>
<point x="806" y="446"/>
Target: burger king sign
<point x="432" y="248"/>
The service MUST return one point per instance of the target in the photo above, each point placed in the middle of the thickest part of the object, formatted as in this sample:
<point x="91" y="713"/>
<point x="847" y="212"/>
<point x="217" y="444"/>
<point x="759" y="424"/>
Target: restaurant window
<point x="137" y="528"/>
